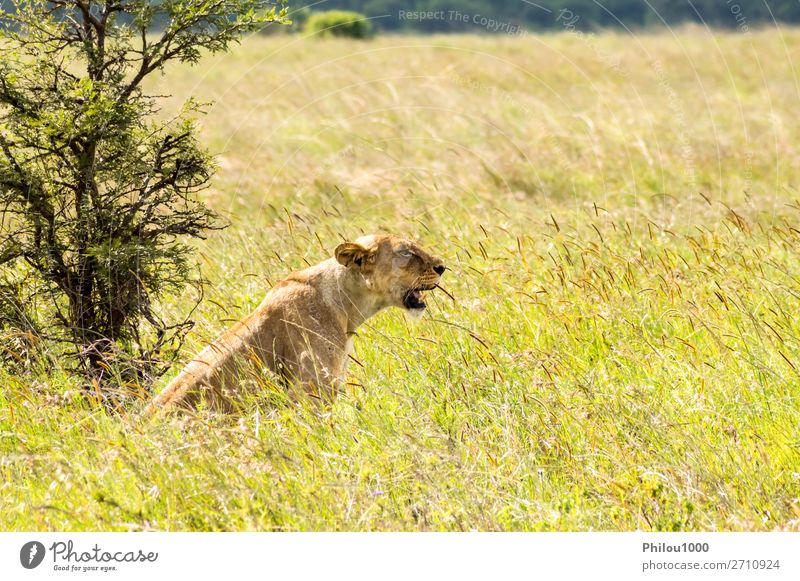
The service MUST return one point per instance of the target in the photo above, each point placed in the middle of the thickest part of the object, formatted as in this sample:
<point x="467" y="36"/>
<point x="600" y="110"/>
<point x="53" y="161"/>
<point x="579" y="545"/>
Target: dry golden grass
<point x="621" y="220"/>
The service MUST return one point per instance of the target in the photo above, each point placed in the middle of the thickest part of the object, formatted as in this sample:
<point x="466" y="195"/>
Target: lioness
<point x="303" y="329"/>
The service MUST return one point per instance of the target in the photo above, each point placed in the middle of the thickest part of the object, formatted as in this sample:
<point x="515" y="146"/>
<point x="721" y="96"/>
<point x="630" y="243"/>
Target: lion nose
<point x="438" y="269"/>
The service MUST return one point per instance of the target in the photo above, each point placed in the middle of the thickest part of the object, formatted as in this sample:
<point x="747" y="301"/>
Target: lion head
<point x="397" y="270"/>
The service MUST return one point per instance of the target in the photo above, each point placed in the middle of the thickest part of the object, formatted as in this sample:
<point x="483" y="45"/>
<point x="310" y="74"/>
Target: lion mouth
<point x="414" y="299"/>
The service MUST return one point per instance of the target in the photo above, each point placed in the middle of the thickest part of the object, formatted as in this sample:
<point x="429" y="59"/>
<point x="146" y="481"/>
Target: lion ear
<point x="351" y="254"/>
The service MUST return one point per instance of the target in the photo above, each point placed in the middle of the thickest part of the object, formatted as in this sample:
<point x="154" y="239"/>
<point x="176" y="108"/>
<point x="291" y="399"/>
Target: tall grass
<point x="621" y="220"/>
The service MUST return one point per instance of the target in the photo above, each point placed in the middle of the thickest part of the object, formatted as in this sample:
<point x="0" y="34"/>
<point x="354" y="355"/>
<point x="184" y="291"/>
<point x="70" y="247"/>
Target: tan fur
<point x="303" y="329"/>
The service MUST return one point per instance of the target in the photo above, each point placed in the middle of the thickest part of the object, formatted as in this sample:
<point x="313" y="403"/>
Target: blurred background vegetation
<point x="512" y="16"/>
<point x="555" y="14"/>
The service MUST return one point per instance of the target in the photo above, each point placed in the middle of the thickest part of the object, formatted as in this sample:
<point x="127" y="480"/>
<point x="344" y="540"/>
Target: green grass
<point x="621" y="221"/>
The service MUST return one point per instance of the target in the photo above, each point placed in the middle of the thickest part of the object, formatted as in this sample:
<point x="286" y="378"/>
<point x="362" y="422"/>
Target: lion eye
<point x="405" y="253"/>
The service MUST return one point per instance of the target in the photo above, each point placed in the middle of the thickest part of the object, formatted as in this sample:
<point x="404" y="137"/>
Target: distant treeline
<point x="515" y="16"/>
<point x="512" y="16"/>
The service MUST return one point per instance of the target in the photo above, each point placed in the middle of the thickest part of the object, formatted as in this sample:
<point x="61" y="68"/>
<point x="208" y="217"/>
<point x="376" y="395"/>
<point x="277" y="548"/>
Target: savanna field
<point x="620" y="217"/>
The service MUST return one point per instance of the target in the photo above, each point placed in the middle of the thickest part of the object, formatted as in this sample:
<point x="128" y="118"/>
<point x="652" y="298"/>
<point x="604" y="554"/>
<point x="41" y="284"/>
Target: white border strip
<point x="382" y="556"/>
